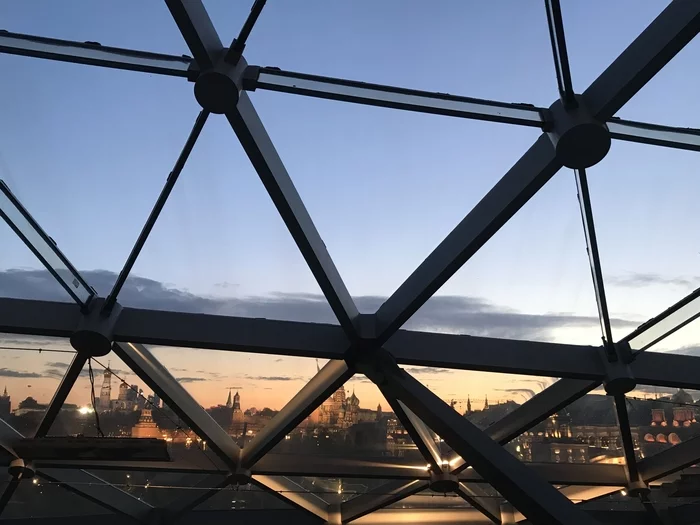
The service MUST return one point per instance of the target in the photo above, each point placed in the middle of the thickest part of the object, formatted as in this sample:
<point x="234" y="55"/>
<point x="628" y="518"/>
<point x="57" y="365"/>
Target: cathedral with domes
<point x="338" y="411"/>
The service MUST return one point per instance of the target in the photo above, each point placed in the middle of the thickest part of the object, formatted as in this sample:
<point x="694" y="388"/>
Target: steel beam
<point x="44" y="318"/>
<point x="481" y="501"/>
<point x="93" y="54"/>
<point x="516" y="187"/>
<point x="332" y="376"/>
<point x="177" y="509"/>
<point x="263" y="155"/>
<point x="667" y="322"/>
<point x="420" y="434"/>
<point x="670" y="460"/>
<point x="561" y="57"/>
<point x="158" y="378"/>
<point x="43" y="247"/>
<point x="197" y="29"/>
<point x="10" y="489"/>
<point x="643" y="58"/>
<point x="155" y="212"/>
<point x="530" y="494"/>
<point x="59" y="397"/>
<point x="291" y="492"/>
<point x="584" y="199"/>
<point x="623" y="422"/>
<point x="240" y="334"/>
<point x="273" y="79"/>
<point x="489" y="354"/>
<point x="381" y="497"/>
<point x="654" y="134"/>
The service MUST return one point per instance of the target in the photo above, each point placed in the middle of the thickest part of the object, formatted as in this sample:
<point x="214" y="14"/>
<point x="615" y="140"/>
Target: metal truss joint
<point x="443" y="482"/>
<point x="375" y="363"/>
<point x="217" y="89"/>
<point x="638" y="488"/>
<point x="619" y="378"/>
<point x="18" y="469"/>
<point x="580" y="140"/>
<point x="95" y="331"/>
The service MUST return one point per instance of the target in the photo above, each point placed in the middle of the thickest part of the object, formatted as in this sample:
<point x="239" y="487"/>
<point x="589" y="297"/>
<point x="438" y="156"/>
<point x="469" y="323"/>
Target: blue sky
<point x="87" y="150"/>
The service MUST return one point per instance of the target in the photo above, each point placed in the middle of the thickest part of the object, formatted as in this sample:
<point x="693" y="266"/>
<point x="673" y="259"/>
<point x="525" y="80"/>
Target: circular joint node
<point x="619" y="385"/>
<point x="90" y="342"/>
<point x="216" y="91"/>
<point x="580" y="140"/>
<point x="19" y="468"/>
<point x="443" y="482"/>
<point x="637" y="488"/>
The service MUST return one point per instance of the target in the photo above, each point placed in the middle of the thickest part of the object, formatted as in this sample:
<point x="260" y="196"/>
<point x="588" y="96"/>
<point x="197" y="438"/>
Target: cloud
<point x="54" y="373"/>
<point x="423" y="370"/>
<point x="527" y="393"/>
<point x="639" y="280"/>
<point x="190" y="379"/>
<point x="182" y="370"/>
<point x="57" y="364"/>
<point x="274" y="378"/>
<point x="279" y="360"/>
<point x="6" y="372"/>
<point x="450" y="314"/>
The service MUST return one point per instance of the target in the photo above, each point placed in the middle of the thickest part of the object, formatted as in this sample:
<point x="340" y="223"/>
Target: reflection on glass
<point x="664" y="325"/>
<point x="586" y="431"/>
<point x="662" y="417"/>
<point x="42" y="245"/>
<point x="93" y="54"/>
<point x="381" y="95"/>
<point x="689" y="138"/>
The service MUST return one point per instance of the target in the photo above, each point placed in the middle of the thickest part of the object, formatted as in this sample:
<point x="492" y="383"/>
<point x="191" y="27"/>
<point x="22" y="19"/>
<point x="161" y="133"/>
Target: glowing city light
<point x="86" y="410"/>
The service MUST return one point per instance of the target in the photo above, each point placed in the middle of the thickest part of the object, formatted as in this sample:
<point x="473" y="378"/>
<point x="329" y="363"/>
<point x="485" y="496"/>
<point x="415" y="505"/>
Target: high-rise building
<point x="5" y="405"/>
<point x="106" y="392"/>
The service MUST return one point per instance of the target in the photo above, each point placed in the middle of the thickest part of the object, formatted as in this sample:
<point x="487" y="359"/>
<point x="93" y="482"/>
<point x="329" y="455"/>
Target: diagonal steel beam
<point x="381" y="497"/>
<point x="273" y="79"/>
<point x="332" y="376"/>
<point x="197" y="29"/>
<point x="43" y="247"/>
<point x="419" y="433"/>
<point x="155" y="212"/>
<point x="644" y="57"/>
<point x="293" y="493"/>
<point x="158" y="378"/>
<point x="93" y="54"/>
<point x="522" y="181"/>
<point x="59" y="397"/>
<point x="623" y="422"/>
<point x="262" y="153"/>
<point x="177" y="509"/>
<point x="561" y="57"/>
<point x="671" y="460"/>
<point x="584" y="199"/>
<point x="10" y="489"/>
<point x="530" y="494"/>
<point x="478" y="498"/>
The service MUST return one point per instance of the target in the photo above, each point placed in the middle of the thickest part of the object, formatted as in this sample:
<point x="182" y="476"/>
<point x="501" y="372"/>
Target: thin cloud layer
<point x="8" y="372"/>
<point x="451" y="314"/>
<point x="640" y="280"/>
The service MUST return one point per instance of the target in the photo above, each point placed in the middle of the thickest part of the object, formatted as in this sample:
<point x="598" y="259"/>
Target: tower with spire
<point x="228" y="401"/>
<point x="5" y="405"/>
<point x="469" y="406"/>
<point x="486" y="402"/>
<point x="106" y="392"/>
<point x="379" y="412"/>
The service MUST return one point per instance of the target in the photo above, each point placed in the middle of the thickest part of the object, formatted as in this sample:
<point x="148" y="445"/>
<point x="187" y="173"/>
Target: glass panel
<point x="161" y="489"/>
<point x="585" y="431"/>
<point x="417" y="175"/>
<point x="501" y="70"/>
<point x="240" y="497"/>
<point x="666" y="325"/>
<point x="41" y="244"/>
<point x="356" y="421"/>
<point x="241" y="391"/>
<point x="337" y="490"/>
<point x="257" y="271"/>
<point x="662" y="417"/>
<point x="31" y="369"/>
<point x="530" y="281"/>
<point x="319" y="85"/>
<point x="38" y="498"/>
<point x="124" y="409"/>
<point x="427" y="499"/>
<point x="645" y="216"/>
<point x="127" y="160"/>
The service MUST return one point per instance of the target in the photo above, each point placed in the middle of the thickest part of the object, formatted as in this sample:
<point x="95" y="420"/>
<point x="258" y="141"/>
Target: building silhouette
<point x="5" y="405"/>
<point x="105" y="403"/>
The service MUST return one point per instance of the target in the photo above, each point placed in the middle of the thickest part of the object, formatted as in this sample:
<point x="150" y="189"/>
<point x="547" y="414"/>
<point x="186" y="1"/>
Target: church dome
<point x="682" y="397"/>
<point x="353" y="400"/>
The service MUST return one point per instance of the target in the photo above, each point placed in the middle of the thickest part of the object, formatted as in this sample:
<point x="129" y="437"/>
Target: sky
<point x="87" y="151"/>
